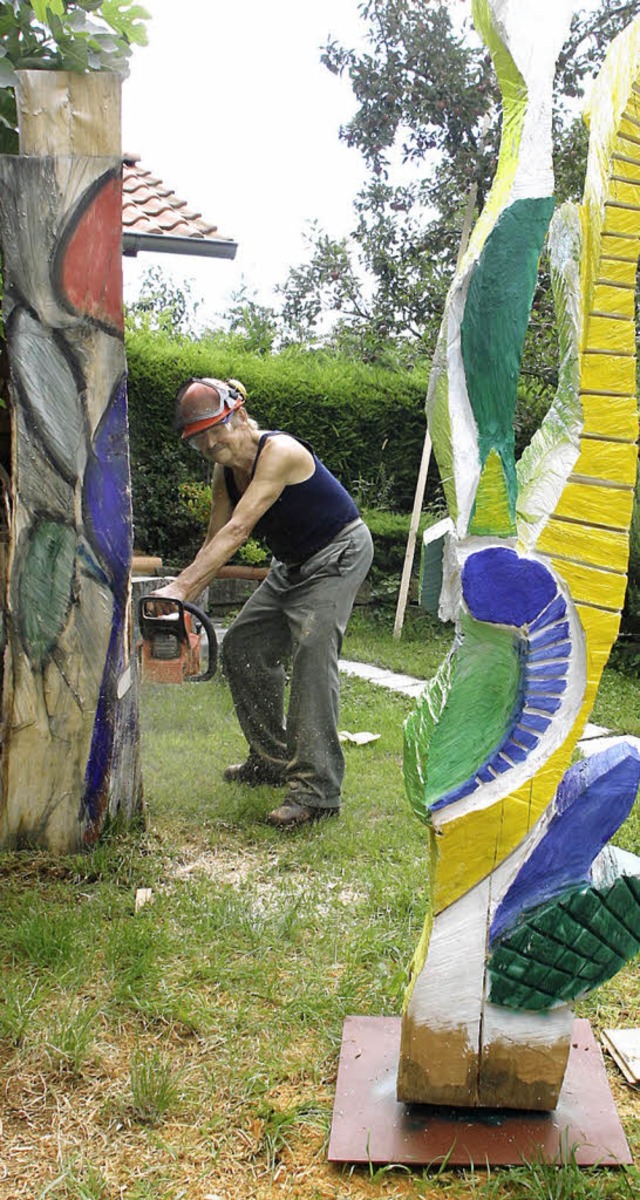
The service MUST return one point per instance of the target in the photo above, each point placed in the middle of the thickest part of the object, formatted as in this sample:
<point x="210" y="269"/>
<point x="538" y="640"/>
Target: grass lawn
<point x="188" y="1051"/>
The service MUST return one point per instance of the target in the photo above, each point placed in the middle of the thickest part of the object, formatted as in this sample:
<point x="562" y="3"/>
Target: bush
<point x="366" y="424"/>
<point x="390" y="532"/>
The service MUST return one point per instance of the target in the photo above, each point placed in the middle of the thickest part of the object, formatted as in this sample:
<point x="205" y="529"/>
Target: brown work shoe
<point x="291" y="814"/>
<point x="253" y="774"/>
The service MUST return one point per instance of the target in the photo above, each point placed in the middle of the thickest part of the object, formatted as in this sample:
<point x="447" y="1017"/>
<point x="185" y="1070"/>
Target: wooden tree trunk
<point x="69" y="711"/>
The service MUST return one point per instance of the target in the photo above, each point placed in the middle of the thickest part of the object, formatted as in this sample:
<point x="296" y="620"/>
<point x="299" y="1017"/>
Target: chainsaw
<point x="170" y="650"/>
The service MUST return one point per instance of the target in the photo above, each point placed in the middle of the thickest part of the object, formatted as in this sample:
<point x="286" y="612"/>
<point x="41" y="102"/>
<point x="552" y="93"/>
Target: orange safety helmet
<point x="197" y="407"/>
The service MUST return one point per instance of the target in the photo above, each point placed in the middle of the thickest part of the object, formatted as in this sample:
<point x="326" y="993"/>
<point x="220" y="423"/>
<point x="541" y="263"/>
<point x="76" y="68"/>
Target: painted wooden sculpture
<point x="70" y="744"/>
<point x="529" y="906"/>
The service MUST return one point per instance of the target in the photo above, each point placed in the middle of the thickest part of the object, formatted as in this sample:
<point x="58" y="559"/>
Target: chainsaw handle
<point x="211" y="639"/>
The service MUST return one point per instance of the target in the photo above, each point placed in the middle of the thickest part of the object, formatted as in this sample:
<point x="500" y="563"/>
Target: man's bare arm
<point x="278" y="465"/>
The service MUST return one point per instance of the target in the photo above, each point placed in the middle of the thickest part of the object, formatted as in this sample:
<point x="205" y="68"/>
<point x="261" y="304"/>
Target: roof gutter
<point x="163" y="243"/>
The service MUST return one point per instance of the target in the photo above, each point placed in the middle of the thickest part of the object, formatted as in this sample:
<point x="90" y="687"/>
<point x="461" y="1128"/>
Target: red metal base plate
<point x="371" y="1126"/>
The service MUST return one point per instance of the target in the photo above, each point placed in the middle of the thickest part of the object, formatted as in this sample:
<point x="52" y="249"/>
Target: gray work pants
<point x="298" y="615"/>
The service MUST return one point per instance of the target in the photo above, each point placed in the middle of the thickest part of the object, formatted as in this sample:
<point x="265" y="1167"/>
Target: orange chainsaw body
<point x="169" y="651"/>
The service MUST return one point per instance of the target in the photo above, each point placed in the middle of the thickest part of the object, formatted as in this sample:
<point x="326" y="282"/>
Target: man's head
<point x="202" y="403"/>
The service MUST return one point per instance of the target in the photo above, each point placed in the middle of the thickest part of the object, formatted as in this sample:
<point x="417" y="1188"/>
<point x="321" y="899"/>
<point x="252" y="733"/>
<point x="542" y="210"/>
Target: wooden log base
<point x="371" y="1126"/>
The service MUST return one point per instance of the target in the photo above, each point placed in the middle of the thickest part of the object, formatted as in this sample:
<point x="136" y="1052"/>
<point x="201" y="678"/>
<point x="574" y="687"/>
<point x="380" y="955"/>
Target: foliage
<point x="163" y="306"/>
<point x="364" y="422"/>
<point x="63" y="35"/>
<point x="427" y="127"/>
<point x="196" y="498"/>
<point x="254" y="324"/>
<point x="390" y="532"/>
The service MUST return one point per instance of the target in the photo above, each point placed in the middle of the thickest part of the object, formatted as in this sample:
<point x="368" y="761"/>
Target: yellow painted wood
<point x="471" y="846"/>
<point x="492" y="512"/>
<point x="613" y="416"/>
<point x="632" y="108"/>
<point x="614" y="270"/>
<point x="627" y="165"/>
<point x="601" y="630"/>
<point x="590" y="585"/>
<point x="615" y="246"/>
<point x="627" y="143"/>
<point x="619" y="301"/>
<point x="614" y="334"/>
<point x="608" y="372"/>
<point x="586" y="544"/>
<point x="602" y="459"/>
<point x="624" y="192"/>
<point x="629" y="127"/>
<point x="593" y="504"/>
<point x="618" y="219"/>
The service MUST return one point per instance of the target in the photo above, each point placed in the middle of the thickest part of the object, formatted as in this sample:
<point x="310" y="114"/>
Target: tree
<point x="64" y="35"/>
<point x="163" y="306"/>
<point x="427" y="100"/>
<point x="255" y="324"/>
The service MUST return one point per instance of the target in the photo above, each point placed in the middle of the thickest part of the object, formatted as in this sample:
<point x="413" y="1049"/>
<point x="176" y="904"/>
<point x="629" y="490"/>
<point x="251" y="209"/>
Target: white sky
<point x="230" y="105"/>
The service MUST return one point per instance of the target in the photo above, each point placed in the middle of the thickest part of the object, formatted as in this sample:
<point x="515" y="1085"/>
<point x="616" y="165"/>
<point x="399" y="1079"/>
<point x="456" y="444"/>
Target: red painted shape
<point x="91" y="267"/>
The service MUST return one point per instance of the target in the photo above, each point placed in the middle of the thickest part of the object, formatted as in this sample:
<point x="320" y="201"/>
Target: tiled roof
<point x="154" y="218"/>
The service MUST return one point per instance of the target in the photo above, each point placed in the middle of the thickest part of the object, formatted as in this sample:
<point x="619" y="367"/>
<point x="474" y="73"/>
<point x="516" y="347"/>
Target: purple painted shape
<point x="107" y="518"/>
<point x="592" y="801"/>
<point x="94" y="796"/>
<point x="106" y="494"/>
<point x="515" y="753"/>
<point x="524" y="738"/>
<point x="457" y="793"/>
<point x="555" y="670"/>
<point x="485" y="775"/>
<point x="534" y="722"/>
<point x="554" y="612"/>
<point x="548" y="653"/>
<point x="544" y="703"/>
<point x="544" y="687"/>
<point x="548" y="637"/>
<point x="500" y="587"/>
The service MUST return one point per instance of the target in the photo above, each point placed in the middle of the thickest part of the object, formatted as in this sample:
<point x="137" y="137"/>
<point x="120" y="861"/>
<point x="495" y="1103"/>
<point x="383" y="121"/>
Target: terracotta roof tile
<point x="150" y="207"/>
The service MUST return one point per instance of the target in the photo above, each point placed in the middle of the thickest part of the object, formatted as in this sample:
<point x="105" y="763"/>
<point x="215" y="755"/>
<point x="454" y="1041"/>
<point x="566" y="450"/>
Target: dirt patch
<point x="268" y="885"/>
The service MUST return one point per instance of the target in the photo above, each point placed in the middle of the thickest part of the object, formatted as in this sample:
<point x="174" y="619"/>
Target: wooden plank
<point x="74" y="108"/>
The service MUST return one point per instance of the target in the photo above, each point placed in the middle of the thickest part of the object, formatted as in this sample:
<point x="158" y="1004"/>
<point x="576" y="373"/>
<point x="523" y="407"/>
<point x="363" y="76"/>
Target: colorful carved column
<point x="529" y="907"/>
<point x="70" y="728"/>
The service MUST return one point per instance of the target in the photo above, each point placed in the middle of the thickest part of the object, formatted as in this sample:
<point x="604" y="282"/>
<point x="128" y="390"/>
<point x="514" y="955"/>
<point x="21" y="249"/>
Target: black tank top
<point x="306" y="516"/>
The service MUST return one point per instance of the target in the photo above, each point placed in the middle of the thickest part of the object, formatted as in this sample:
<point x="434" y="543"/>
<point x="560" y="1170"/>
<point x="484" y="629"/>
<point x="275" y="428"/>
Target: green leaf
<point x="126" y="18"/>
<point x="7" y="72"/>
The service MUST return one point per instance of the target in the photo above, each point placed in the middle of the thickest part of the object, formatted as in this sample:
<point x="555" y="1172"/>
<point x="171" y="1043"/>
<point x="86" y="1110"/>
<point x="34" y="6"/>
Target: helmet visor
<point x="193" y="415"/>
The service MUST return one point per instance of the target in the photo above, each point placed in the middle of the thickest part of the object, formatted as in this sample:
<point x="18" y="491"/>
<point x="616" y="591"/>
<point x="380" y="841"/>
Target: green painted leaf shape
<point x="567" y="947"/>
<point x="45" y="587"/>
<point x="443" y="747"/>
<point x="495" y="322"/>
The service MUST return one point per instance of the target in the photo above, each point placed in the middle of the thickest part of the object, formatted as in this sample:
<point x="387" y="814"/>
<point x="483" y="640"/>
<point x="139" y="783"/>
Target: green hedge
<point x="366" y="425"/>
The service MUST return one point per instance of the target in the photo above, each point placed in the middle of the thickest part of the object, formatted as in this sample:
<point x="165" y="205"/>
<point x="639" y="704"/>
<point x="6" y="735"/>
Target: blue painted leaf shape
<point x="593" y="799"/>
<point x="106" y="497"/>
